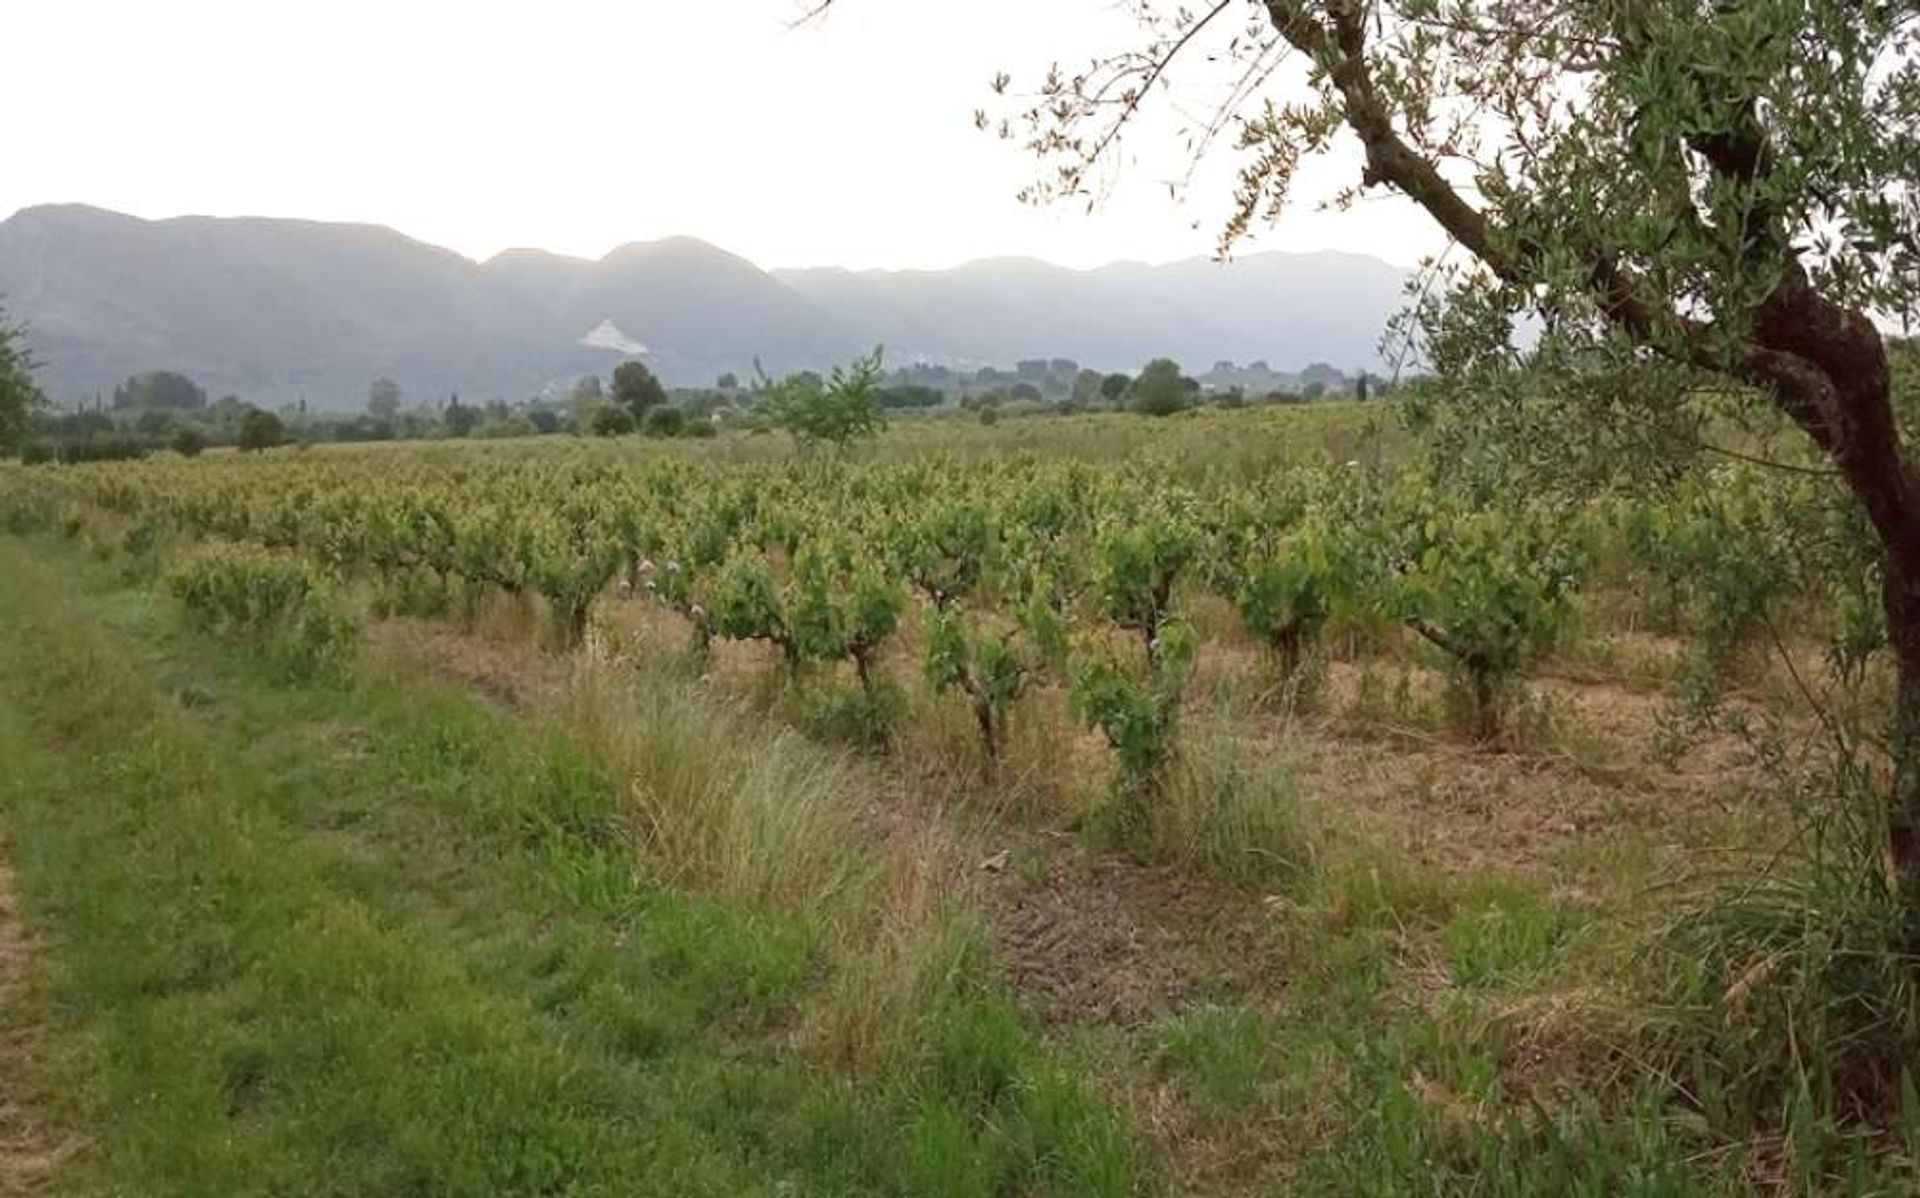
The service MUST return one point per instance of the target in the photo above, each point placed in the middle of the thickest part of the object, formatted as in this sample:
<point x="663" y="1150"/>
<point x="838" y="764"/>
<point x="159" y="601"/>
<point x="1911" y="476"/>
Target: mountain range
<point x="277" y="310"/>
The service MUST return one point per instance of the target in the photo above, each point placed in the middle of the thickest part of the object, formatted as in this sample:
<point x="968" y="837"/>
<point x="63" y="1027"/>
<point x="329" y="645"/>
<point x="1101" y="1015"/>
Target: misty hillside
<point x="276" y="310"/>
<point x="696" y="308"/>
<point x="1290" y="309"/>
<point x="269" y="308"/>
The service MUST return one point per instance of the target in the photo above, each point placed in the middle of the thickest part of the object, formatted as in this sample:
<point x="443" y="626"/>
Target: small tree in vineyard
<point x="836" y="411"/>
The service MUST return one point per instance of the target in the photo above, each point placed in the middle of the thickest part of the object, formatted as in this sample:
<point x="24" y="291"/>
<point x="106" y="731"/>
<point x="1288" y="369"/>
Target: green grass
<point x="1512" y="936"/>
<point x="1234" y="816"/>
<point x="379" y="939"/>
<point x="1220" y="1052"/>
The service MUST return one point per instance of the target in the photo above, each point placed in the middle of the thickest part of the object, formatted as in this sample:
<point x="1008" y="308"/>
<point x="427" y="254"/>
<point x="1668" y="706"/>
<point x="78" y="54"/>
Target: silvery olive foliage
<point x="1700" y="190"/>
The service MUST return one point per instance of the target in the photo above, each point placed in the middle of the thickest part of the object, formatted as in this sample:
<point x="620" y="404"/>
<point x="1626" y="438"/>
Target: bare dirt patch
<point x="1087" y="938"/>
<point x="1465" y="807"/>
<point x="514" y="674"/>
<point x="1076" y="946"/>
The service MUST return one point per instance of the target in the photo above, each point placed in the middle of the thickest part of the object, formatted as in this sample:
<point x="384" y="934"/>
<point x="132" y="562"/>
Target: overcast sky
<point x="577" y="125"/>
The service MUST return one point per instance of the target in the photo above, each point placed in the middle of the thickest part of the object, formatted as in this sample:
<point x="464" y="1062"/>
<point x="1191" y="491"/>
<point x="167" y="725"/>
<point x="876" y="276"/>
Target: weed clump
<point x="1797" y="993"/>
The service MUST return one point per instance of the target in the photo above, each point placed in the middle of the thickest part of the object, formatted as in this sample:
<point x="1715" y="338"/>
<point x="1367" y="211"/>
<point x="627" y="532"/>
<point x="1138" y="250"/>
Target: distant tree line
<point x="167" y="410"/>
<point x="1062" y="386"/>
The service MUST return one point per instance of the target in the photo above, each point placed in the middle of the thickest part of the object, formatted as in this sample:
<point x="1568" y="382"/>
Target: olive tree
<point x="1720" y="196"/>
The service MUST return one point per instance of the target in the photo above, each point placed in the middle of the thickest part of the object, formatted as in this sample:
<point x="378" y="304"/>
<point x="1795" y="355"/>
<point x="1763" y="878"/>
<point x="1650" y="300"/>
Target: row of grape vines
<point x="1023" y="572"/>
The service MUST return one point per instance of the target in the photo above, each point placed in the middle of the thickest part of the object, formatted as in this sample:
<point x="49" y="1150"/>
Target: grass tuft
<point x="1243" y="821"/>
<point x="716" y="802"/>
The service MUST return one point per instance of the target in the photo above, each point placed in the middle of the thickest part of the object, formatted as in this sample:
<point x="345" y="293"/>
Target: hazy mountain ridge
<point x="1290" y="309"/>
<point x="276" y="310"/>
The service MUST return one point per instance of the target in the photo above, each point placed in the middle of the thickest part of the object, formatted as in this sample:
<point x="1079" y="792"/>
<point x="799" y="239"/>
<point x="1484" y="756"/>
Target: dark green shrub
<point x="664" y="421"/>
<point x="261" y="430"/>
<point x="611" y="422"/>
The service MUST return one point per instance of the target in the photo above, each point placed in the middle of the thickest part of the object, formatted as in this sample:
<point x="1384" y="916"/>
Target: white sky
<point x="577" y="125"/>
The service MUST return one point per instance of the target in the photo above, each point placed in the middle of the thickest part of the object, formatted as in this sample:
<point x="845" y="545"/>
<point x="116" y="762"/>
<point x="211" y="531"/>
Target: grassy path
<point x="384" y="940"/>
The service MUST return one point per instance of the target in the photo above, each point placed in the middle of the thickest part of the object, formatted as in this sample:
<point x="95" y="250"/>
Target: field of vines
<point x="1019" y="572"/>
<point x="1133" y="632"/>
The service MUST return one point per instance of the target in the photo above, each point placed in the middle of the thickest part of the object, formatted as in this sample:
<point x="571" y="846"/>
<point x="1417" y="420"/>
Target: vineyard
<point x="1016" y="573"/>
<point x="1417" y="799"/>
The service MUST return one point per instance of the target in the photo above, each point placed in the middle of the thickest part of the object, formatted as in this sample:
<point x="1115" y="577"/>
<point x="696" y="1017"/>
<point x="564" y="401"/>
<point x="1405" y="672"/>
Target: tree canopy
<point x="19" y="395"/>
<point x="837" y="410"/>
<point x="460" y="419"/>
<point x="261" y="429"/>
<point x="611" y="420"/>
<point x="1161" y="390"/>
<point x="636" y="389"/>
<point x="383" y="399"/>
<point x="665" y="420"/>
<point x="159" y="389"/>
<point x="1714" y="191"/>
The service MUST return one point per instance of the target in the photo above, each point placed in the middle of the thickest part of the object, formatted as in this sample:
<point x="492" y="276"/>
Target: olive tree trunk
<point x="1903" y="833"/>
<point x="1827" y="367"/>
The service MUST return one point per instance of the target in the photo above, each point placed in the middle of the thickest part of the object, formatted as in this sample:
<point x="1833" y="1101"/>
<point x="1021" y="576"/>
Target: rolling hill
<point x="278" y="310"/>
